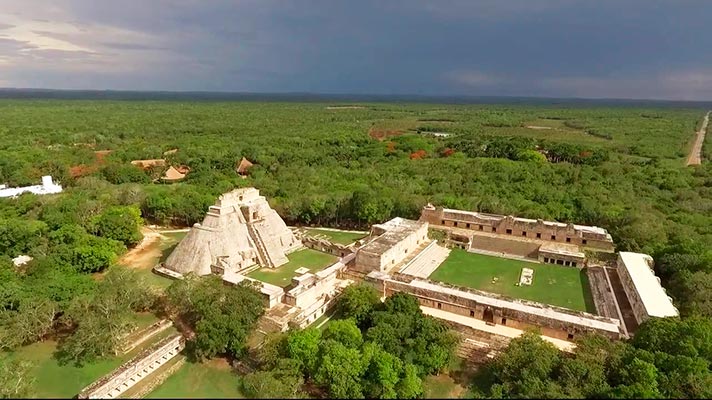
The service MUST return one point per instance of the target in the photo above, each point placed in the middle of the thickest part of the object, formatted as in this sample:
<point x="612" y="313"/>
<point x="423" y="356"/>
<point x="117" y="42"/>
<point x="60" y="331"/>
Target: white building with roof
<point x="390" y="243"/>
<point x="47" y="187"/>
<point x="646" y="295"/>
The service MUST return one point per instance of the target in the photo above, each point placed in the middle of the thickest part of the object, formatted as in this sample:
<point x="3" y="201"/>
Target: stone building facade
<point x="556" y="322"/>
<point x="591" y="237"/>
<point x="390" y="243"/>
<point x="646" y="295"/>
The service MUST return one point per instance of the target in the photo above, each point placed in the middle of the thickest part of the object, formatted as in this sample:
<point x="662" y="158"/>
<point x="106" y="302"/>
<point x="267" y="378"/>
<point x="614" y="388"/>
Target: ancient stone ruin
<point x="133" y="371"/>
<point x="546" y="241"/>
<point x="238" y="232"/>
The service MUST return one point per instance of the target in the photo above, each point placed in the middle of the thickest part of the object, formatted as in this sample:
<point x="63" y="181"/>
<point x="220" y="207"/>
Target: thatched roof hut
<point x="175" y="174"/>
<point x="242" y="167"/>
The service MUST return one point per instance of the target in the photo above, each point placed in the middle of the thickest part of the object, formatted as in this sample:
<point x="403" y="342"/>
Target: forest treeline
<point x="618" y="168"/>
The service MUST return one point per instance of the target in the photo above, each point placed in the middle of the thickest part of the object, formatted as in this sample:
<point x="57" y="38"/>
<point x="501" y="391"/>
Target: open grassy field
<point x="313" y="260"/>
<point x="214" y="379"/>
<point x="336" y="236"/>
<point x="561" y="286"/>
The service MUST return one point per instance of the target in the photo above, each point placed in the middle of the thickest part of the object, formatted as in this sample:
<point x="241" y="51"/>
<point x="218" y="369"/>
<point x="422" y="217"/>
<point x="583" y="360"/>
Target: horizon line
<point x="351" y="95"/>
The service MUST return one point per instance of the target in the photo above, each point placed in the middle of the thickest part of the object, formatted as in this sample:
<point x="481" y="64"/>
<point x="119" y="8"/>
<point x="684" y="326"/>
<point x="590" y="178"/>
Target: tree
<point x="104" y="318"/>
<point x="221" y="316"/>
<point x="382" y="374"/>
<point x="357" y="302"/>
<point x="639" y="380"/>
<point x="303" y="346"/>
<point x="15" y="378"/>
<point x="410" y="385"/>
<point x="526" y="367"/>
<point x="345" y="332"/>
<point x="340" y="370"/>
<point x="122" y="223"/>
<point x="272" y="385"/>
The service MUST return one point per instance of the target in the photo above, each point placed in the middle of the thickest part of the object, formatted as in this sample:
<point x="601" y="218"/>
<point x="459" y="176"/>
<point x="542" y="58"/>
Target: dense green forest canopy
<point x="621" y="168"/>
<point x="373" y="350"/>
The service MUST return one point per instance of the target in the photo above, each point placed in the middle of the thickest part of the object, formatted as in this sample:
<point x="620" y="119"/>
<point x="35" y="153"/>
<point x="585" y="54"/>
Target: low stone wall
<point x="132" y="371"/>
<point x="146" y="334"/>
<point x="165" y="272"/>
<point x="326" y="246"/>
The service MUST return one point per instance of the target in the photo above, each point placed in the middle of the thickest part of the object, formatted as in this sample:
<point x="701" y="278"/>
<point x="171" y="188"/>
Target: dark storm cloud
<point x="652" y="49"/>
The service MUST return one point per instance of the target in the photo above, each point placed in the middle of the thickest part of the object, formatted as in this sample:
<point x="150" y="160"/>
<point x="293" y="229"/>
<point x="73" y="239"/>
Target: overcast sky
<point x="561" y="48"/>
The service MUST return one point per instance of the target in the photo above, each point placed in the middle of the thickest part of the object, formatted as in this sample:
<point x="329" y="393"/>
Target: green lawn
<point x="313" y="260"/>
<point x="214" y="379"/>
<point x="553" y="284"/>
<point x="337" y="237"/>
<point x="451" y="384"/>
<point x="442" y="387"/>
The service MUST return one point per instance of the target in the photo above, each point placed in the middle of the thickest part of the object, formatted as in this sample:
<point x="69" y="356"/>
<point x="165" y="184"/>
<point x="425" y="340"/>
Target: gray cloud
<point x="504" y="47"/>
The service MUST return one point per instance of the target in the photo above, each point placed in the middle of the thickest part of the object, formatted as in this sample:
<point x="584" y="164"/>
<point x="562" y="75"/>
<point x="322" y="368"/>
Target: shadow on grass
<point x="587" y="295"/>
<point x="167" y="252"/>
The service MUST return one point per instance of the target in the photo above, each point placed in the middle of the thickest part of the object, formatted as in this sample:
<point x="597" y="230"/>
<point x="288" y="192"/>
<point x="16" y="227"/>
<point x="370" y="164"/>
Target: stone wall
<point x="145" y="334"/>
<point x="518" y="227"/>
<point x="326" y="246"/>
<point x="507" y="313"/>
<point x="504" y="245"/>
<point x="381" y="255"/>
<point x="132" y="371"/>
<point x="633" y="296"/>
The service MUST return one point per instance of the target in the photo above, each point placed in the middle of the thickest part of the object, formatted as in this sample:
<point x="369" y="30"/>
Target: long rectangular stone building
<point x="546" y="241"/>
<point x="646" y="295"/>
<point x="587" y="236"/>
<point x="556" y="322"/>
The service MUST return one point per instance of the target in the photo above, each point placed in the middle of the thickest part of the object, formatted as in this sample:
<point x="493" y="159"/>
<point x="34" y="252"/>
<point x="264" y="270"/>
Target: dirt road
<point x="695" y="157"/>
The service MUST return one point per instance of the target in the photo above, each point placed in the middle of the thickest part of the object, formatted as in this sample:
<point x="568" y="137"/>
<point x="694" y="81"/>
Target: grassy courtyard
<point x="553" y="284"/>
<point x="311" y="259"/>
<point x="213" y="379"/>
<point x="340" y="237"/>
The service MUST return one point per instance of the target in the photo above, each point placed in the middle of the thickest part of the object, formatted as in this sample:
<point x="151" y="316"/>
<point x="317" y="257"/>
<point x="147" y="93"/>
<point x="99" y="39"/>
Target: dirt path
<point x="695" y="157"/>
<point x="146" y="251"/>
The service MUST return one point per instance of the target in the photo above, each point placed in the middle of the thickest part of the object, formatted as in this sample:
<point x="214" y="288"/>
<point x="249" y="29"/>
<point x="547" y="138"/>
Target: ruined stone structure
<point x="556" y="322"/>
<point x="547" y="241"/>
<point x="646" y="295"/>
<point x="239" y="231"/>
<point x="133" y="371"/>
<point x="310" y="296"/>
<point x="326" y="246"/>
<point x="391" y="243"/>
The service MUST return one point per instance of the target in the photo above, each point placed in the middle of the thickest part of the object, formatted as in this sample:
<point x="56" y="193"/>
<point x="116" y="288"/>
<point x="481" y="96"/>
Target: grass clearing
<point x="156" y="251"/>
<point x="213" y="379"/>
<point x="340" y="237"/>
<point x="561" y="286"/>
<point x="313" y="260"/>
<point x="450" y="385"/>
